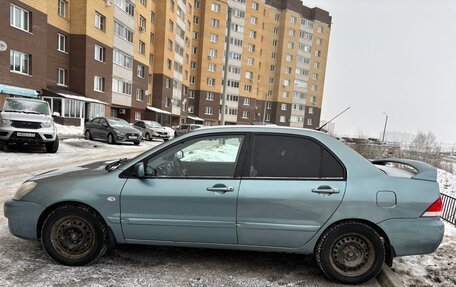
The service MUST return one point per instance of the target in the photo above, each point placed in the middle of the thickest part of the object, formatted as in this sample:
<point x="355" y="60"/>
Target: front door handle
<point x="325" y="189"/>
<point x="220" y="188"/>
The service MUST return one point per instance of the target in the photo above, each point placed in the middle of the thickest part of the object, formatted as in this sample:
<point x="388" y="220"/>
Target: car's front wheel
<point x="88" y="135"/>
<point x="111" y="139"/>
<point x="52" y="147"/>
<point x="350" y="253"/>
<point x="74" y="235"/>
<point x="3" y="145"/>
<point x="148" y="138"/>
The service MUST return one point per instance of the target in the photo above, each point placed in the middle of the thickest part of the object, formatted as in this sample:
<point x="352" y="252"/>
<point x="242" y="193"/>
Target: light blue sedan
<point x="249" y="188"/>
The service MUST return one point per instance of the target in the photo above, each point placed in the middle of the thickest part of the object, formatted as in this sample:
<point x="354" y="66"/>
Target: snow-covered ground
<point x="438" y="268"/>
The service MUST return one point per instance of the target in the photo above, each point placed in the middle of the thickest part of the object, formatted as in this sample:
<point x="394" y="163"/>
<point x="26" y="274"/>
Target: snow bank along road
<point x="24" y="263"/>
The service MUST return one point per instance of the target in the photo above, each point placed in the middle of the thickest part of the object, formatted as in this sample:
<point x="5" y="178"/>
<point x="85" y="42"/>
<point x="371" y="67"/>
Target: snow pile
<point x="69" y="131"/>
<point x="438" y="268"/>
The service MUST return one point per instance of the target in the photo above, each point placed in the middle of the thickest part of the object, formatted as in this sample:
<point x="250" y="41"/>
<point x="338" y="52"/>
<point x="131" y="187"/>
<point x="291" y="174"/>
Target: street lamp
<point x="225" y="76"/>
<point x="384" y="129"/>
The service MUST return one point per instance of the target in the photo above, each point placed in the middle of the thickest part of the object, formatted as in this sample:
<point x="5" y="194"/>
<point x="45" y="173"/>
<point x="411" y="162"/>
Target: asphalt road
<point x="24" y="263"/>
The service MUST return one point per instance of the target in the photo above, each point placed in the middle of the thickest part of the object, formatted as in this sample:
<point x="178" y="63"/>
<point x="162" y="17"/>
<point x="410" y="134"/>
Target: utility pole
<point x="225" y="69"/>
<point x="384" y="129"/>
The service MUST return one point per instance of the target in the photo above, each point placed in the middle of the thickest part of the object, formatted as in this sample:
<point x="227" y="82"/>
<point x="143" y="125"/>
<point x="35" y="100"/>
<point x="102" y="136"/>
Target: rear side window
<point x="292" y="157"/>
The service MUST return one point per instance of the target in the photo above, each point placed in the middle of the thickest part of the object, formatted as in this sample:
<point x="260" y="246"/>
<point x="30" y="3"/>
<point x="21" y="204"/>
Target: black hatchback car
<point x="112" y="130"/>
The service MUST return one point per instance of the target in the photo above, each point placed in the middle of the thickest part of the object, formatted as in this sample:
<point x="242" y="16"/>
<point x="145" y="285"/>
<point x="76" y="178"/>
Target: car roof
<point x="253" y="128"/>
<point x="26" y="99"/>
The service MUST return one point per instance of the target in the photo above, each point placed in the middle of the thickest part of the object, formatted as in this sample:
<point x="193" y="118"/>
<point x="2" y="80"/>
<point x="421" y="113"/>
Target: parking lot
<point x="24" y="263"/>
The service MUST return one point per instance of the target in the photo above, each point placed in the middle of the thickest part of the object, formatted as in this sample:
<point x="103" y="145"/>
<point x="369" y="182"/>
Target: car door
<point x="103" y="128"/>
<point x="93" y="127"/>
<point x="188" y="194"/>
<point x="291" y="187"/>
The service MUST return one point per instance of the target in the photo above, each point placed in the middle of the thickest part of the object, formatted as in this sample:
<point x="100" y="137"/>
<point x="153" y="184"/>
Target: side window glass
<point x="282" y="156"/>
<point x="96" y="121"/>
<point x="330" y="166"/>
<point x="203" y="157"/>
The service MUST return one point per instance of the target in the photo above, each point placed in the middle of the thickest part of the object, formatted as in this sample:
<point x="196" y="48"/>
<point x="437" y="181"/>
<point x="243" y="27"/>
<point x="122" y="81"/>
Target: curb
<point x="387" y="278"/>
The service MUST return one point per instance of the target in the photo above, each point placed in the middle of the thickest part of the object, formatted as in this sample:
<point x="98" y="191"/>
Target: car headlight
<point x="121" y="133"/>
<point x="5" y="122"/>
<point x="47" y="124"/>
<point x="25" y="188"/>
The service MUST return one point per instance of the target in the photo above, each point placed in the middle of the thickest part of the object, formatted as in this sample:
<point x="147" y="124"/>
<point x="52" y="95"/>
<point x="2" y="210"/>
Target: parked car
<point x="239" y="187"/>
<point x="152" y="130"/>
<point x="185" y="128"/>
<point x="28" y="121"/>
<point x="112" y="130"/>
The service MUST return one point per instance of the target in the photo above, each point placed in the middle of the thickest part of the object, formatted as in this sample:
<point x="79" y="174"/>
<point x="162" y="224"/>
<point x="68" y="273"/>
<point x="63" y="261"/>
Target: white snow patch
<point x="68" y="131"/>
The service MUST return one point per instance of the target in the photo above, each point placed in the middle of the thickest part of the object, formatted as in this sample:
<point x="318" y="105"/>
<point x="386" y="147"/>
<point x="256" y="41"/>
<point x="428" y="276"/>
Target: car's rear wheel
<point x="88" y="135"/>
<point x="111" y="139"/>
<point x="350" y="253"/>
<point x="148" y="138"/>
<point x="136" y="143"/>
<point x="74" y="235"/>
<point x="52" y="147"/>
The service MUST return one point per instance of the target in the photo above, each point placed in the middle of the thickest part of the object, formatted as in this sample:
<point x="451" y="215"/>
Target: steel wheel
<point x="72" y="237"/>
<point x="352" y="255"/>
<point x="350" y="252"/>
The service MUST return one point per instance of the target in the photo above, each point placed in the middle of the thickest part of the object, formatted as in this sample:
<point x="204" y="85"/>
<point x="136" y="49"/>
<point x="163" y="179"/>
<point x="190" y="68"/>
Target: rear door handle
<point x="325" y="189"/>
<point x="220" y="188"/>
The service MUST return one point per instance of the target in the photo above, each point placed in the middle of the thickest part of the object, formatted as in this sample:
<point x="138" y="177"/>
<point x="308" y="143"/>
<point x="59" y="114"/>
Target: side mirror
<point x="139" y="170"/>
<point x="179" y="155"/>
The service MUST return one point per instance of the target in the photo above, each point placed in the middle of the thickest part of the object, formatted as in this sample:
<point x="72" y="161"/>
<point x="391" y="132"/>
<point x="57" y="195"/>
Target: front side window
<point x="214" y="156"/>
<point x="292" y="157"/>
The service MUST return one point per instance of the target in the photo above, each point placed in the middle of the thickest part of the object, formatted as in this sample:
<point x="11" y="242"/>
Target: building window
<point x="127" y="6"/>
<point x="292" y="19"/>
<point x="311" y="110"/>
<point x="215" y="23"/>
<point x="318" y="41"/>
<point x="209" y="96"/>
<point x="269" y="105"/>
<point x="289" y="58"/>
<point x="286" y="83"/>
<point x="255" y="6"/>
<point x="209" y="111"/>
<point x="212" y="67"/>
<point x="268" y="117"/>
<point x="320" y="29"/>
<point x="213" y="38"/>
<point x="246" y="101"/>
<point x="191" y="95"/>
<point x="122" y="59"/>
<point x="140" y="72"/>
<point x="247" y="88"/>
<point x="283" y="107"/>
<point x="194" y="50"/>
<point x="100" y="21"/>
<point x="317" y="65"/>
<point x="215" y="7"/>
<point x="250" y="61"/>
<point x="137" y="116"/>
<point x="192" y="80"/>
<point x="123" y="32"/>
<point x="314" y="88"/>
<point x="19" y="62"/>
<point x="290" y="45"/>
<point x="291" y="32"/>
<point x="196" y="20"/>
<point x="139" y="95"/>
<point x="315" y="76"/>
<point x="282" y="119"/>
<point x="194" y="35"/>
<point x="119" y="86"/>
<point x="62" y="8"/>
<point x="193" y="65"/>
<point x="142" y="24"/>
<point x="245" y="115"/>
<point x="253" y="20"/>
<point x="317" y="53"/>
<point x="212" y="53"/>
<point x="248" y="75"/>
<point x="285" y="94"/>
<point x="309" y="122"/>
<point x="61" y="43"/>
<point x="170" y="45"/>
<point x="19" y="18"/>
<point x="61" y="77"/>
<point x="211" y="82"/>
<point x="251" y="48"/>
<point x="98" y="84"/>
<point x="99" y="53"/>
<point x="142" y="47"/>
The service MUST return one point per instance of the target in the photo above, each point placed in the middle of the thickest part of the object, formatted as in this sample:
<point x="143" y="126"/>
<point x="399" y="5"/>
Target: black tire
<point x="52" y="147"/>
<point x="175" y="134"/>
<point x="165" y="140"/>
<point x="74" y="235"/>
<point x="3" y="145"/>
<point x="136" y="143"/>
<point x="148" y="138"/>
<point x="88" y="135"/>
<point x="111" y="139"/>
<point x="350" y="253"/>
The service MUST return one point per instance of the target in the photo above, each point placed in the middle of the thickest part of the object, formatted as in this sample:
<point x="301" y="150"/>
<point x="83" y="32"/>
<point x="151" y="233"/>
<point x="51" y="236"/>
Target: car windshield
<point x="28" y="107"/>
<point x="117" y="122"/>
<point x="194" y="127"/>
<point x="153" y="125"/>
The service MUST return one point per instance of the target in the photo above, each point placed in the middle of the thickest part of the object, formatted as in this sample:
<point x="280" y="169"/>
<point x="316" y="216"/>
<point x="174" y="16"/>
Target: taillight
<point x="435" y="210"/>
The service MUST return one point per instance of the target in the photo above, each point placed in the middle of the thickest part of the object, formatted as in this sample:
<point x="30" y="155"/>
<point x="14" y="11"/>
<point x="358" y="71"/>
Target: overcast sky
<point x="392" y="56"/>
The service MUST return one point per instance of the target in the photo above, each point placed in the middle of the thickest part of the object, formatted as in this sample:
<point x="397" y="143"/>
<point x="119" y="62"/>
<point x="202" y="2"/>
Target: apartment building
<point x="165" y="60"/>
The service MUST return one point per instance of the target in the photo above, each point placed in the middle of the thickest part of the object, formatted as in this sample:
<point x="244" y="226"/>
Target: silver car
<point x="28" y="121"/>
<point x="152" y="130"/>
<point x="240" y="187"/>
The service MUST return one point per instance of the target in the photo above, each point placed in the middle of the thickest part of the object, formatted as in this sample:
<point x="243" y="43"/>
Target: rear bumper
<point x="23" y="218"/>
<point x="414" y="236"/>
